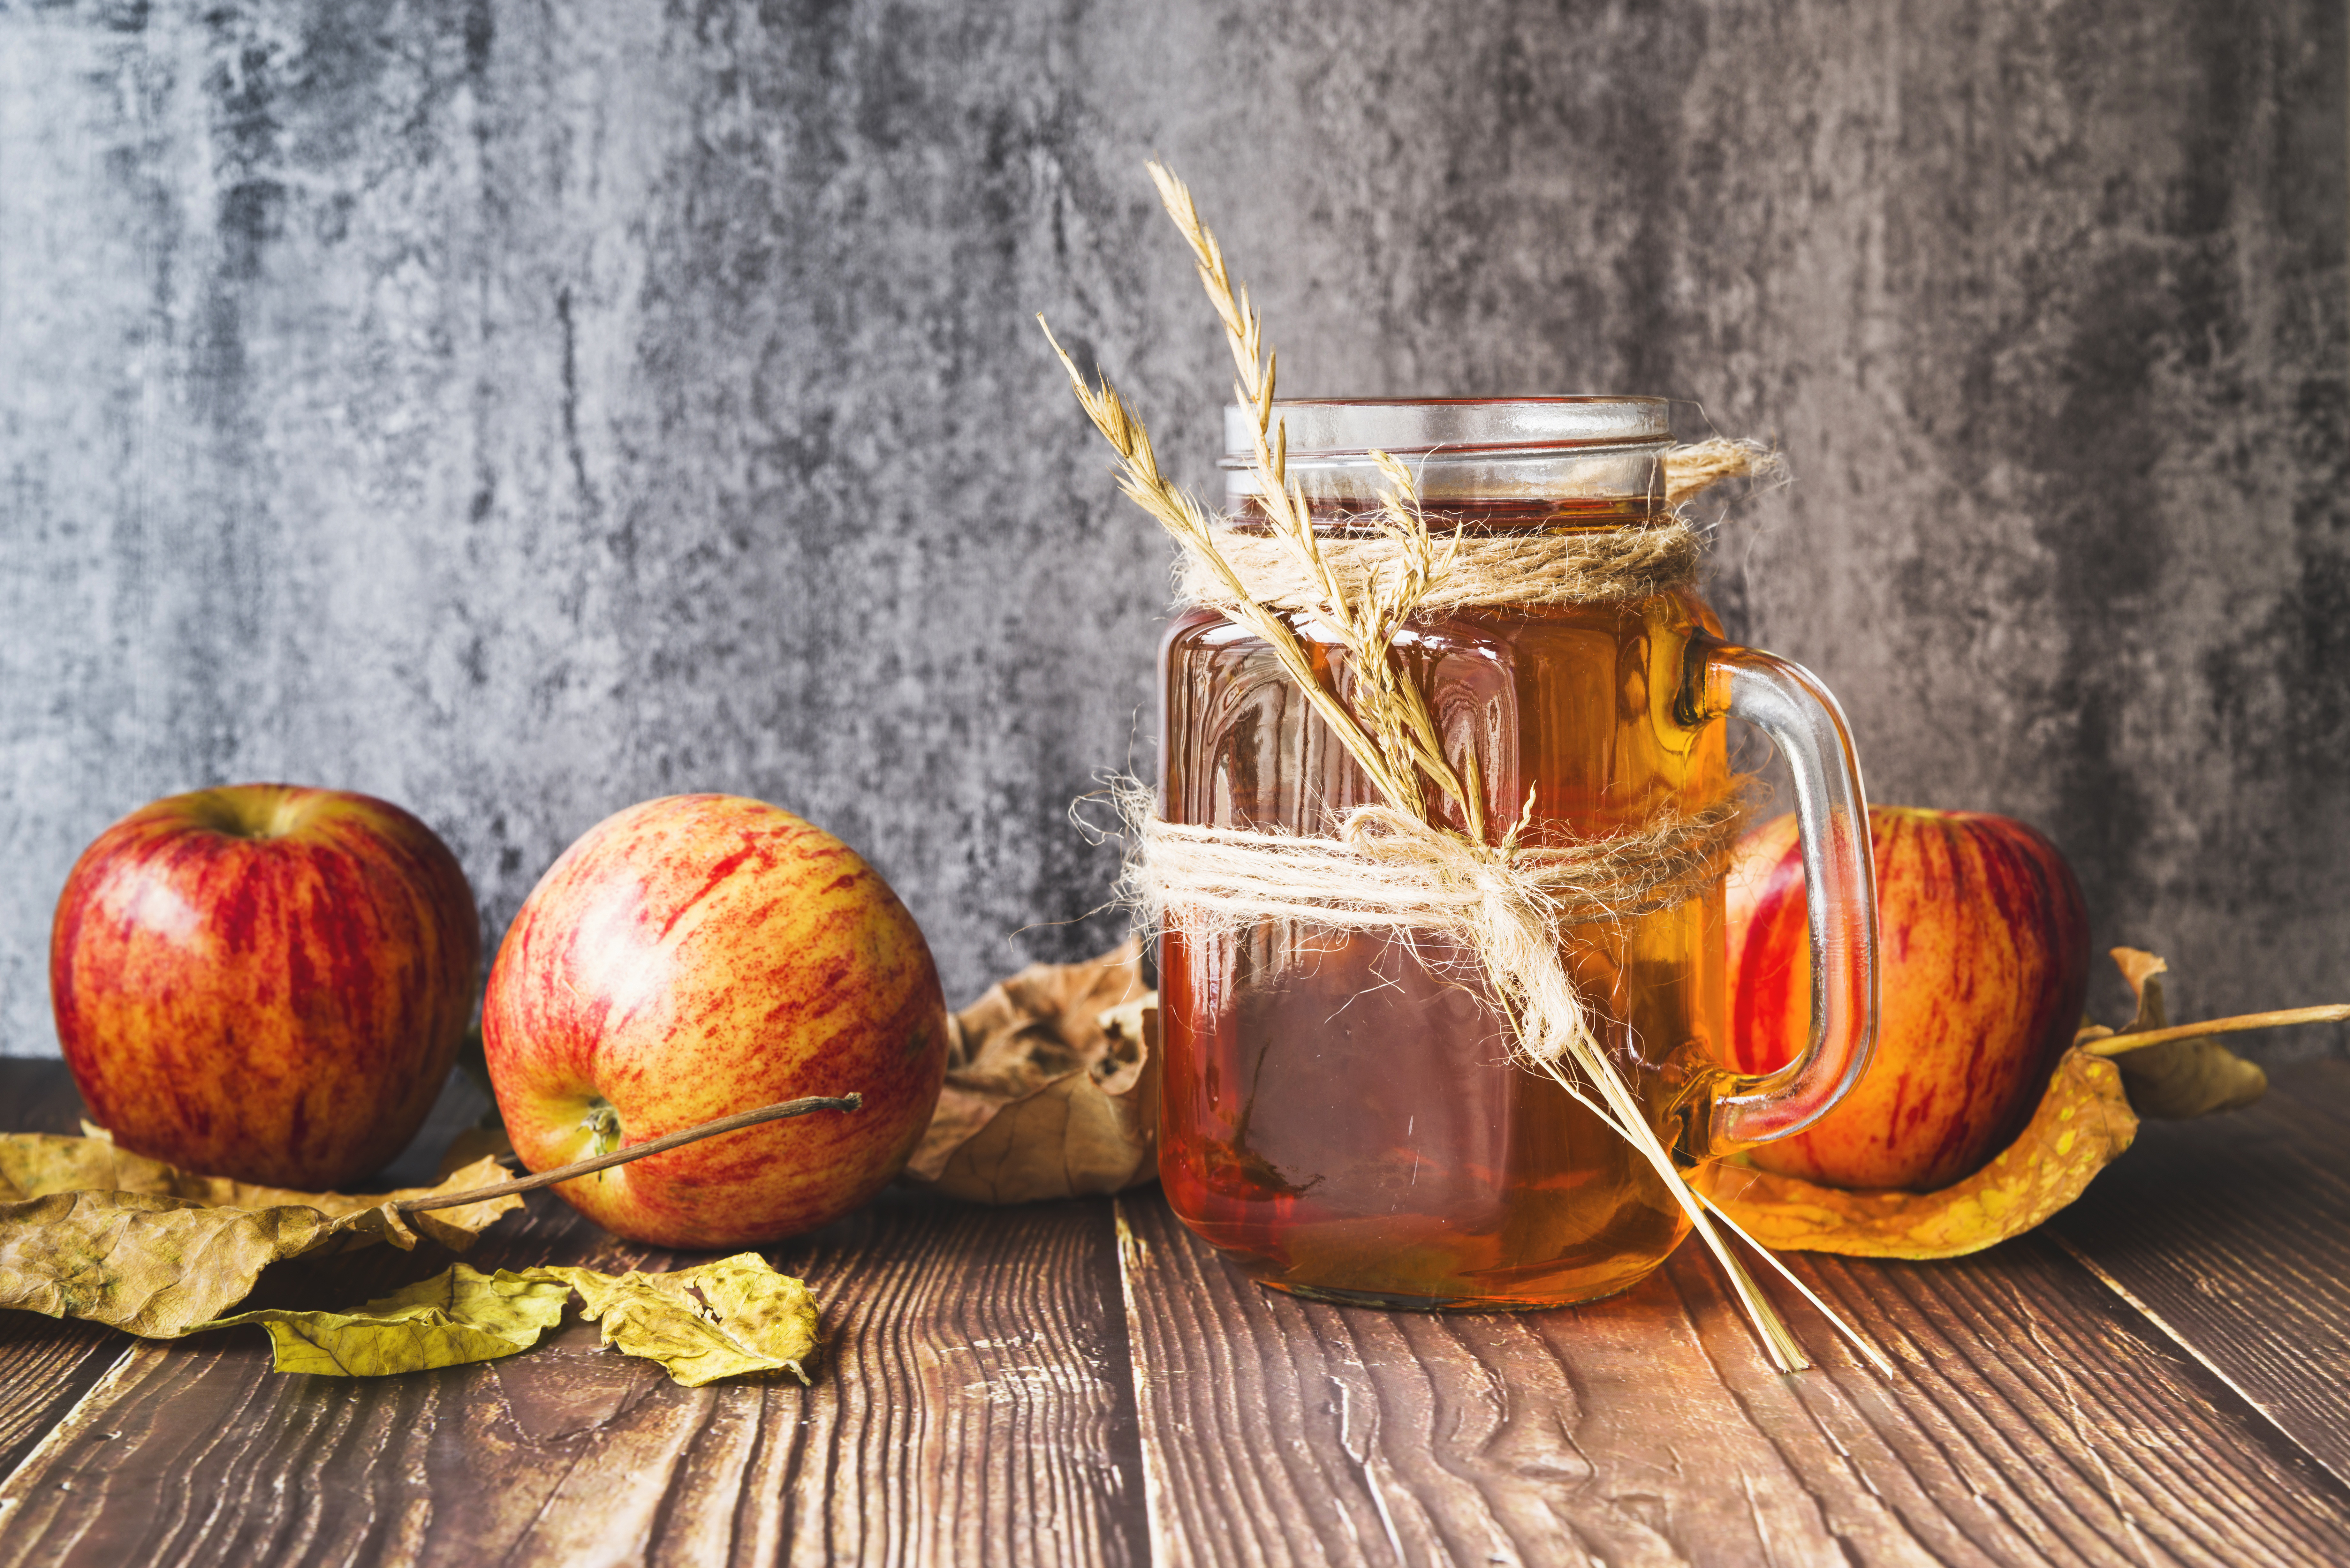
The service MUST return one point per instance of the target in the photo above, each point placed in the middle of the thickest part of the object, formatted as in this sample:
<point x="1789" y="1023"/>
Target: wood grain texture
<point x="2233" y="1233"/>
<point x="974" y="1404"/>
<point x="45" y="1367"/>
<point x="1048" y="1385"/>
<point x="2030" y="1422"/>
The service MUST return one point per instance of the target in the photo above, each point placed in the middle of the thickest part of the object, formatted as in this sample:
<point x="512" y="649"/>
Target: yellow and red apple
<point x="1983" y="960"/>
<point x="693" y="956"/>
<point x="264" y="981"/>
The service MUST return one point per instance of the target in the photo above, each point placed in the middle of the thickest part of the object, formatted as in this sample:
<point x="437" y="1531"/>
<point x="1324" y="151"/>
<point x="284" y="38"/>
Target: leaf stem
<point x="2115" y="1044"/>
<point x="735" y="1123"/>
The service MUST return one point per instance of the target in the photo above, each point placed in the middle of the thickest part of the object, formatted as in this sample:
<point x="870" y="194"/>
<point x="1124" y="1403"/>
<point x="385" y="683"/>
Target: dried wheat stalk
<point x="1390" y="706"/>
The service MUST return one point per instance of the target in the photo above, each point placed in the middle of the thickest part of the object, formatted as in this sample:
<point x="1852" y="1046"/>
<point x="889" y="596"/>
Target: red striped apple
<point x="693" y="956"/>
<point x="1983" y="953"/>
<point x="264" y="981"/>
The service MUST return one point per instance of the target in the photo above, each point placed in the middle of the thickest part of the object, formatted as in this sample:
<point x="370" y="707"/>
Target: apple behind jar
<point x="696" y="956"/>
<point x="1983" y="956"/>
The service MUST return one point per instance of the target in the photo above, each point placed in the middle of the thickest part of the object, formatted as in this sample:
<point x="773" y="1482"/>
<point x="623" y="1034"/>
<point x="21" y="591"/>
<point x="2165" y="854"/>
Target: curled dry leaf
<point x="2193" y="1076"/>
<point x="456" y="1316"/>
<point x="2082" y="1123"/>
<point x="35" y="1165"/>
<point x="135" y="1261"/>
<point x="91" y="1231"/>
<point x="726" y="1319"/>
<point x="1051" y="1087"/>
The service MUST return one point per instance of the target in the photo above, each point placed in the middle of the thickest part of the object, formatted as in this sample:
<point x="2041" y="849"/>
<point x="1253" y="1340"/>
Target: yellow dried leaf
<point x="728" y="1319"/>
<point x="456" y="1316"/>
<point x="724" y="1319"/>
<point x="90" y="1231"/>
<point x="35" y="1165"/>
<point x="2083" y="1122"/>
<point x="1051" y="1087"/>
<point x="2178" y="1079"/>
<point x="149" y="1265"/>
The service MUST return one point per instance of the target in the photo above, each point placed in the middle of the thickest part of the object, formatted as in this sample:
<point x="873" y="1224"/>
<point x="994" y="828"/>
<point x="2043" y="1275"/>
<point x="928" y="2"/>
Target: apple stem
<point x="735" y="1123"/>
<point x="2115" y="1044"/>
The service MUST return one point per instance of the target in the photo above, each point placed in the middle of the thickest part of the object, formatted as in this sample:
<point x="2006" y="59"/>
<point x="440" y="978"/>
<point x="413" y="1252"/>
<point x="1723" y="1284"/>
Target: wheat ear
<point x="1391" y="707"/>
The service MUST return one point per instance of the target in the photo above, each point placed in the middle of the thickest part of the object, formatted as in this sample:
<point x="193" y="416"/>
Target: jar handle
<point x="1788" y="703"/>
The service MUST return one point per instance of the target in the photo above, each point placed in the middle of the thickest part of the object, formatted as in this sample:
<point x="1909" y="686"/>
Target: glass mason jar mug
<point x="1341" y="1115"/>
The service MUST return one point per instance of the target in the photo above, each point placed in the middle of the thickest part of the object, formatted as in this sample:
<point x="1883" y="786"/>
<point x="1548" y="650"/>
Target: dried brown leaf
<point x="2083" y="1122"/>
<point x="2176" y="1079"/>
<point x="1051" y="1087"/>
<point x="90" y="1231"/>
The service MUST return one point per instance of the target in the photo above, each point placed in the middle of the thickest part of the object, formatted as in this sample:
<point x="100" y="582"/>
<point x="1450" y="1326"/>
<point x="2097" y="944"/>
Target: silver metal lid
<point x="1585" y="454"/>
<point x="1336" y="426"/>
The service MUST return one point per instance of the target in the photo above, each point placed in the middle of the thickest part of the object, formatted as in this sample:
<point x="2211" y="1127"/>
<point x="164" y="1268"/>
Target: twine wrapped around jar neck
<point x="1499" y="570"/>
<point x="1608" y="566"/>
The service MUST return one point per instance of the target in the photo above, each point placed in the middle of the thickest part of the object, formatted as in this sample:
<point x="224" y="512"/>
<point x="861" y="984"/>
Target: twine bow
<point x="1385" y="870"/>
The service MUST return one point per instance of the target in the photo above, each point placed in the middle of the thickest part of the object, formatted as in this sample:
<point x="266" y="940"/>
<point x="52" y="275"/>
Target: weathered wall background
<point x="517" y="410"/>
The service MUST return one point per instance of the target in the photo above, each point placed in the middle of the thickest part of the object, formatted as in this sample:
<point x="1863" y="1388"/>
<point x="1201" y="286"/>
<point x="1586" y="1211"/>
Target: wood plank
<point x="2232" y="1232"/>
<point x="2030" y="1421"/>
<point x="975" y="1406"/>
<point x="45" y="1367"/>
<point x="2030" y="1402"/>
<point x="48" y="1366"/>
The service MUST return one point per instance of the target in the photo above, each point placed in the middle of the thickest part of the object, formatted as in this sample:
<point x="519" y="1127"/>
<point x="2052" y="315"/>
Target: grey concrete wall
<point x="518" y="409"/>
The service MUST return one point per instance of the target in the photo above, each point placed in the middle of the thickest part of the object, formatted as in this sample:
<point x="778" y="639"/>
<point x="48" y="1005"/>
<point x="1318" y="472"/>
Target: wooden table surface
<point x="2159" y="1377"/>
